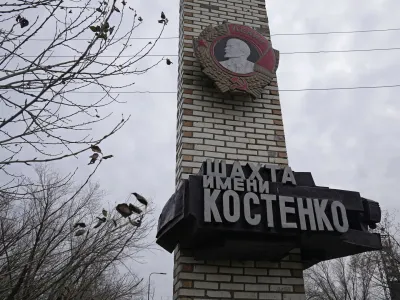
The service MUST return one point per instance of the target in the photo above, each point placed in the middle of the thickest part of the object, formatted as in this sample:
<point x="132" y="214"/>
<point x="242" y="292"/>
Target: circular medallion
<point x="237" y="58"/>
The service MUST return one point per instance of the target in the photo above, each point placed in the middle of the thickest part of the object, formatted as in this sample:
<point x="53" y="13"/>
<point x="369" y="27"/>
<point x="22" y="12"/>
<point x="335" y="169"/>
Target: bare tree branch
<point x="43" y="256"/>
<point x="42" y="121"/>
<point x="365" y="276"/>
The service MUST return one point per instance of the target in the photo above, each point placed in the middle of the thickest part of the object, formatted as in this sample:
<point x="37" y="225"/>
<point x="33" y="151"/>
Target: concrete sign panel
<point x="227" y="206"/>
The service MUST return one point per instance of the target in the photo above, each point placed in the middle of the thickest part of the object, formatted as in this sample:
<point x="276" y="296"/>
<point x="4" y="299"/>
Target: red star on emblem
<point x="202" y="43"/>
<point x="239" y="84"/>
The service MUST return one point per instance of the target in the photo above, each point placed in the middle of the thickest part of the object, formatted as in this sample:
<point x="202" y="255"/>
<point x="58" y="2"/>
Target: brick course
<point x="230" y="127"/>
<point x="206" y="118"/>
<point x="220" y="279"/>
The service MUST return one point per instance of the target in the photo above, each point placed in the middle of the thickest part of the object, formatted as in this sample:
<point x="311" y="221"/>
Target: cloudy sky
<point x="348" y="139"/>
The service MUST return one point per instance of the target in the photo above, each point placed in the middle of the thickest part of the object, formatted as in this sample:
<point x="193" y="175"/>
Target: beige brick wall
<point x="199" y="279"/>
<point x="215" y="125"/>
<point x="222" y="126"/>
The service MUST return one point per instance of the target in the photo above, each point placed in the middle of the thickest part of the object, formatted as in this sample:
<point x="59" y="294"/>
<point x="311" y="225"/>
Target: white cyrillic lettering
<point x="221" y="185"/>
<point x="335" y="217"/>
<point x="303" y="212"/>
<point x="255" y="169"/>
<point x="210" y="207"/>
<point x="251" y="185"/>
<point x="237" y="170"/>
<point x="270" y="213"/>
<point x="234" y="217"/>
<point x="273" y="169"/>
<point x="252" y="220"/>
<point x="263" y="187"/>
<point x="321" y="216"/>
<point x="238" y="184"/>
<point x="216" y="170"/>
<point x="208" y="182"/>
<point x="288" y="176"/>
<point x="283" y="200"/>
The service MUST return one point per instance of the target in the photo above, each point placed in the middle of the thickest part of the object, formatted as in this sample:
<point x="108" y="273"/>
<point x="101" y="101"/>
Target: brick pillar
<point x="222" y="126"/>
<point x="199" y="279"/>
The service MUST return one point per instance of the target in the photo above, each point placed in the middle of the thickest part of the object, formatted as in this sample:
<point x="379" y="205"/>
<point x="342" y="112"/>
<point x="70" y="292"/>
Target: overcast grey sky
<point x="347" y="139"/>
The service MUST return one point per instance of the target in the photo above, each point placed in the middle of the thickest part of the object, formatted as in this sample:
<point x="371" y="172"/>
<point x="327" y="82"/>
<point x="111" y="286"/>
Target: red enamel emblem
<point x="237" y="58"/>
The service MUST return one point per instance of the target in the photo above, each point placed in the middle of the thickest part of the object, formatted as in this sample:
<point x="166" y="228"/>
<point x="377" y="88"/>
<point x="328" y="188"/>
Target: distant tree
<point x="50" y="50"/>
<point x="389" y="257"/>
<point x="58" y="243"/>
<point x="366" y="276"/>
<point x="351" y="278"/>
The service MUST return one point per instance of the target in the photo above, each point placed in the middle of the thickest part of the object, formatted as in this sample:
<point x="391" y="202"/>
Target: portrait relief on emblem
<point x="236" y="55"/>
<point x="237" y="58"/>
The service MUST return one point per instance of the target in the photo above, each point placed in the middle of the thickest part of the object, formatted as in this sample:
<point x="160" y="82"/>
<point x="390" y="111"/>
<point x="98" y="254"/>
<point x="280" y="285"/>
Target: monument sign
<point x="242" y="224"/>
<point x="228" y="206"/>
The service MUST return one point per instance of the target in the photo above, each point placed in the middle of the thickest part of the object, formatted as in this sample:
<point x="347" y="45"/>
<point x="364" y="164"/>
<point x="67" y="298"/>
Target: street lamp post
<point x="148" y="288"/>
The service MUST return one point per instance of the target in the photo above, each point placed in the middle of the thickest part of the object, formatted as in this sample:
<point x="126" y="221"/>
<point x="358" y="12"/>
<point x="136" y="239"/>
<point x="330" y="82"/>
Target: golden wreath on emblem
<point x="237" y="58"/>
